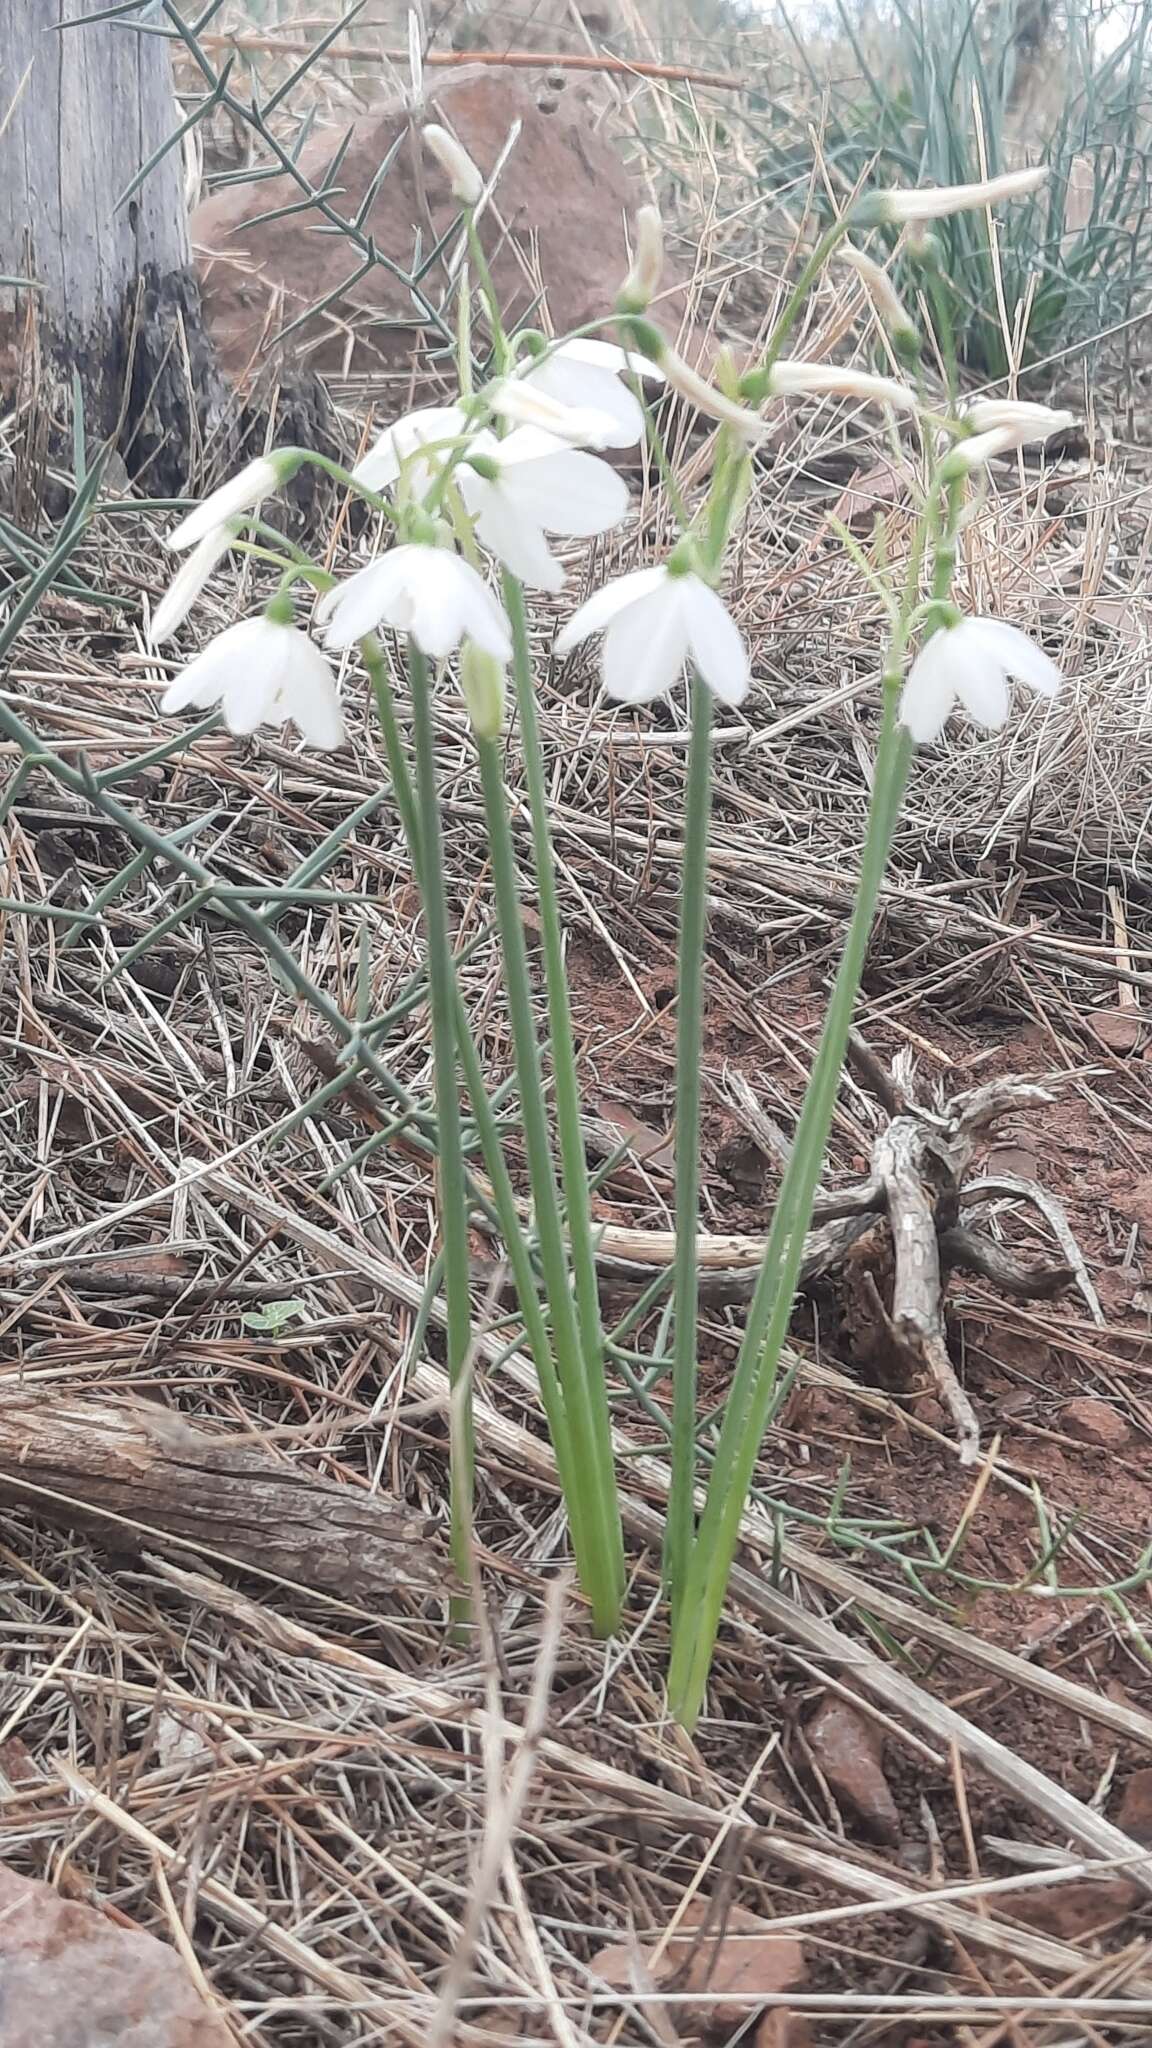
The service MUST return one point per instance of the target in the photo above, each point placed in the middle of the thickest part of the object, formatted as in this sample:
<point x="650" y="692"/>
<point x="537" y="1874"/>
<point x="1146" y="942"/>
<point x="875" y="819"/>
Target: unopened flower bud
<point x="1027" y="421"/>
<point x="643" y="280"/>
<point x="706" y="398"/>
<point x="798" y="379"/>
<point x="482" y="687"/>
<point x="890" y="308"/>
<point x="975" y="451"/>
<point x="933" y="202"/>
<point x="463" y="176"/>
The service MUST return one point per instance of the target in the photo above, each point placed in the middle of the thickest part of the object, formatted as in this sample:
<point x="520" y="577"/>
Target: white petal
<point x="527" y="404"/>
<point x="242" y="493"/>
<point x="645" y="649"/>
<point x="188" y="582"/>
<point x="356" y="607"/>
<point x="982" y="688"/>
<point x="429" y="425"/>
<point x="587" y="386"/>
<point x="253" y="684"/>
<point x="929" y="692"/>
<point x="516" y="541"/>
<point x="714" y="640"/>
<point x="205" y="678"/>
<point x="607" y="355"/>
<point x="483" y="618"/>
<point x="308" y="696"/>
<point x="568" y="493"/>
<point x="1016" y="654"/>
<point x="598" y="611"/>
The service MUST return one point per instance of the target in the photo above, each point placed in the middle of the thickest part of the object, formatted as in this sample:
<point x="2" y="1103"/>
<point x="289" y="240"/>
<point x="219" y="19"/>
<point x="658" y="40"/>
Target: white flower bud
<point x="242" y="493"/>
<point x="705" y="397"/>
<point x="643" y="280"/>
<point x="463" y="176"/>
<point x="890" y="307"/>
<point x="976" y="451"/>
<point x="1026" y="421"/>
<point x="932" y="202"/>
<point x="798" y="379"/>
<point x="483" y="688"/>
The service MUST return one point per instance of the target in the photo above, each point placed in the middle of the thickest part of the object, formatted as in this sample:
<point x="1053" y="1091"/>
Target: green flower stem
<point x="689" y="1040"/>
<point x="830" y="240"/>
<point x="503" y="1194"/>
<point x="453" y="1192"/>
<point x="573" y="1164"/>
<point x="751" y="1394"/>
<point x="591" y="1510"/>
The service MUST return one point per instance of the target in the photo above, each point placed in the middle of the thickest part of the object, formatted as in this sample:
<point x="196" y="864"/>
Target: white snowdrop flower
<point x="262" y="672"/>
<point x="427" y="592"/>
<point x="188" y="582"/>
<point x="794" y="378"/>
<point x="465" y="179"/>
<point x="976" y="450"/>
<point x="1027" y="422"/>
<point x="524" y="403"/>
<point x="538" y="486"/>
<point x="586" y="376"/>
<point x="890" y="309"/>
<point x="643" y="280"/>
<point x="428" y="426"/>
<point x="242" y="493"/>
<point x="970" y="663"/>
<point x="654" y="621"/>
<point x="933" y="202"/>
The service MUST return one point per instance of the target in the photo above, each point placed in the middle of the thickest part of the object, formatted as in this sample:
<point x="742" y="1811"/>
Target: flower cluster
<point x="493" y="479"/>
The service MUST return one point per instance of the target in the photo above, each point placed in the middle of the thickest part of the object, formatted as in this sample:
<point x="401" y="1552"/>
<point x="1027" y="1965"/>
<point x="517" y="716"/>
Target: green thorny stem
<point x="453" y="1190"/>
<point x="696" y="1620"/>
<point x="600" y="1478"/>
<point x="565" y="1439"/>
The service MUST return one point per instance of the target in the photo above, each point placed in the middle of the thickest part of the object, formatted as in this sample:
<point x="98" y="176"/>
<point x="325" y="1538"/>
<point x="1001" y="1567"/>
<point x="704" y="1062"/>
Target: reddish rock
<point x="1079" y="1909"/>
<point x="1135" y="1815"/>
<point x="1094" y="1422"/>
<point x="848" y="1749"/>
<point x="559" y="214"/>
<point x="735" y="1961"/>
<point x="68" y="1975"/>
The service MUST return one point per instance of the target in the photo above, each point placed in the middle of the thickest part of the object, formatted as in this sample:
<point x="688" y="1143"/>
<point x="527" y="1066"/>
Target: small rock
<point x="782" y="2029"/>
<point x="1135" y="1815"/>
<point x="68" y="1975"/>
<point x="1094" y="1422"/>
<point x="734" y="1957"/>
<point x="1079" y="1909"/>
<point x="849" y="1750"/>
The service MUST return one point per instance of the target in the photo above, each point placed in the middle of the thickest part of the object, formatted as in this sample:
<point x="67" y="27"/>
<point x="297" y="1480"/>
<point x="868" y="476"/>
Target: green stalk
<point x="503" y="1194"/>
<point x="453" y="1192"/>
<point x="689" y="1042"/>
<point x="750" y="1397"/>
<point x="592" y="1511"/>
<point x="573" y="1164"/>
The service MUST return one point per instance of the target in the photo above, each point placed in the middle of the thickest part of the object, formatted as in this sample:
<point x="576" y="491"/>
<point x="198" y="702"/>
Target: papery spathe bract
<point x="464" y="177"/>
<point x="262" y="672"/>
<point x="653" y="622"/>
<point x="970" y="663"/>
<point x="484" y="687"/>
<point x="934" y="202"/>
<point x="643" y="280"/>
<point x="533" y="485"/>
<point x="586" y="375"/>
<point x="242" y="493"/>
<point x="399" y="447"/>
<point x="189" y="581"/>
<point x="427" y="592"/>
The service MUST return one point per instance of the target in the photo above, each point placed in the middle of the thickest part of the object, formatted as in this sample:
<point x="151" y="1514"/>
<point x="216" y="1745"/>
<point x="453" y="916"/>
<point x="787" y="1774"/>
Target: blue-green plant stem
<point x="573" y="1163"/>
<point x="453" y="1190"/>
<point x="593" y="1514"/>
<point x="753" y="1385"/>
<point x="536" y="1330"/>
<point x="689" y="1040"/>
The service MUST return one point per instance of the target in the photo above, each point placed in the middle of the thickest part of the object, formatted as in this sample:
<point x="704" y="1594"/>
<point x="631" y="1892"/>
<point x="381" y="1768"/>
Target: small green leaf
<point x="273" y="1317"/>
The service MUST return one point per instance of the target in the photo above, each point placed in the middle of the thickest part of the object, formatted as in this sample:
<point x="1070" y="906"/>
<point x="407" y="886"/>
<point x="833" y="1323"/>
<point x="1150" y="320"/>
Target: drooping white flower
<point x="427" y="592"/>
<point x="653" y="621"/>
<point x="794" y="378"/>
<point x="716" y="405"/>
<point x="585" y="375"/>
<point x="970" y="663"/>
<point x="189" y="581"/>
<point x="933" y="202"/>
<point x="242" y="493"/>
<point x="1026" y="421"/>
<point x="890" y="308"/>
<point x="975" y="451"/>
<point x="429" y="426"/>
<point x="522" y="403"/>
<point x="538" y="486"/>
<point x="464" y="178"/>
<point x="262" y="672"/>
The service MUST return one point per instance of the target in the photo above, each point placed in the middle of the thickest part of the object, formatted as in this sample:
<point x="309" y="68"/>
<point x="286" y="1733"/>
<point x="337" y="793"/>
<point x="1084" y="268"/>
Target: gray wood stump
<point x="117" y="304"/>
